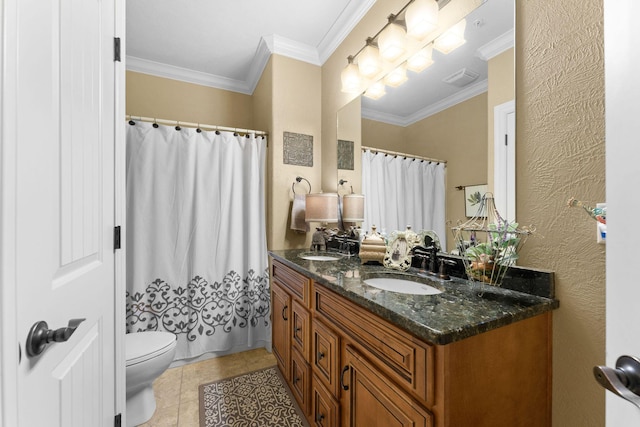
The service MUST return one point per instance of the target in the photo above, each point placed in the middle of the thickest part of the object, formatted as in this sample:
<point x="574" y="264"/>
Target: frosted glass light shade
<point x="321" y="207"/>
<point x="397" y="76"/>
<point x="421" y="18"/>
<point x="392" y="42"/>
<point x="452" y="38"/>
<point x="369" y="61"/>
<point x="351" y="79"/>
<point x="353" y="207"/>
<point x="375" y="91"/>
<point x="421" y="59"/>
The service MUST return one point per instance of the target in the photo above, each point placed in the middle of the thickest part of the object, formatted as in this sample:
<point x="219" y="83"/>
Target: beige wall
<point x="349" y="129"/>
<point x="457" y="135"/>
<point x="501" y="88"/>
<point x="560" y="153"/>
<point x="151" y="96"/>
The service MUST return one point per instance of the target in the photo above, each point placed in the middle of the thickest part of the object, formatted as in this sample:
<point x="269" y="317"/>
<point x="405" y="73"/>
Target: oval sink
<point x="402" y="286"/>
<point x="322" y="256"/>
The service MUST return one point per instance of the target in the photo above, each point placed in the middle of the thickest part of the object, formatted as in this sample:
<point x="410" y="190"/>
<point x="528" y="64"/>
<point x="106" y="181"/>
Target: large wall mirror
<point x="458" y="110"/>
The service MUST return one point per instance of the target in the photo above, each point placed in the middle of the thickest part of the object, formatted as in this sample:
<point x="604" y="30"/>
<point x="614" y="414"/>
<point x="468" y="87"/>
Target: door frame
<point x="504" y="161"/>
<point x="9" y="335"/>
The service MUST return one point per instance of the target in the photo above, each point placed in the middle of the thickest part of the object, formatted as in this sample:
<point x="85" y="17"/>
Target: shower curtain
<point x="196" y="238"/>
<point x="401" y="191"/>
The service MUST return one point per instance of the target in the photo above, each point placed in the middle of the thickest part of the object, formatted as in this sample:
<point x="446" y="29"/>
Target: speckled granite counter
<point x="462" y="310"/>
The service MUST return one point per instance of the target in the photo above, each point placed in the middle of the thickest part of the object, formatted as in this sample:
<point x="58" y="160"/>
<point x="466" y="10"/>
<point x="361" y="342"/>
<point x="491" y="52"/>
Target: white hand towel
<point x="297" y="214"/>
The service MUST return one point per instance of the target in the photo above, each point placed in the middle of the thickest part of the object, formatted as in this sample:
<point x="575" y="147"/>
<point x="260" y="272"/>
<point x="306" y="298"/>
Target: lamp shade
<point x="396" y="77"/>
<point x="351" y="80"/>
<point x="375" y="91"/>
<point x="421" y="59"/>
<point x="353" y="207"/>
<point x="321" y="207"/>
<point x="369" y="61"/>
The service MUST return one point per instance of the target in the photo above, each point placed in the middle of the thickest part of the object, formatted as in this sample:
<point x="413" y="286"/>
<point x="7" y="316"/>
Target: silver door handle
<point x="40" y="335"/>
<point x="624" y="380"/>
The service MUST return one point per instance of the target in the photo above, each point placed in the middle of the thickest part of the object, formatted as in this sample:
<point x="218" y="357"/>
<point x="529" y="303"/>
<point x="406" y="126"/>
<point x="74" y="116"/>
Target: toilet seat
<point x="142" y="346"/>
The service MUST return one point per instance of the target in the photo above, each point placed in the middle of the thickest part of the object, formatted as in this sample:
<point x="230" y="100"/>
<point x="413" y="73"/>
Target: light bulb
<point x="351" y="80"/>
<point x="375" y="91"/>
<point x="421" y="18"/>
<point x="392" y="42"/>
<point x="452" y="38"/>
<point x="397" y="76"/>
<point x="421" y="59"/>
<point x="369" y="61"/>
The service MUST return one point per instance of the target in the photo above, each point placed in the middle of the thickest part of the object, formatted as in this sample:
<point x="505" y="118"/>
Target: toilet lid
<point x="141" y="346"/>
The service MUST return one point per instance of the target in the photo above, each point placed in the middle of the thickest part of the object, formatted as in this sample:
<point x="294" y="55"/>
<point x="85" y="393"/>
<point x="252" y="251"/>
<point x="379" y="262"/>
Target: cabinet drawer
<point x="296" y="282"/>
<point x="324" y="407"/>
<point x="325" y="348"/>
<point x="405" y="358"/>
<point x="301" y="381"/>
<point x="300" y="330"/>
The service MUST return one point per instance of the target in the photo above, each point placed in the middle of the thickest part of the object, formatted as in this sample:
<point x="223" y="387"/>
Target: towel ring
<point x="298" y="179"/>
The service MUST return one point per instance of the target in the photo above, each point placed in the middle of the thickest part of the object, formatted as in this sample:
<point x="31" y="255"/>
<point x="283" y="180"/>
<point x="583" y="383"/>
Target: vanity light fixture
<point x="375" y="91"/>
<point x="396" y="77"/>
<point x="421" y="18"/>
<point x="369" y="60"/>
<point x="421" y="59"/>
<point x="392" y="41"/>
<point x="452" y="39"/>
<point x="406" y="41"/>
<point x="350" y="77"/>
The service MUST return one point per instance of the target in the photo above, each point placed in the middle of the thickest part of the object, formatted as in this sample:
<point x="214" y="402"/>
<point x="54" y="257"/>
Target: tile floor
<point x="177" y="389"/>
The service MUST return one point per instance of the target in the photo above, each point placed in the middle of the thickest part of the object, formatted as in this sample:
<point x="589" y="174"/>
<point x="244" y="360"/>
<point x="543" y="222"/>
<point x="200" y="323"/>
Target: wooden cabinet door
<point x="300" y="381"/>
<point x="300" y="329"/>
<point x="325" y="409"/>
<point x="370" y="399"/>
<point x="281" y="327"/>
<point x="324" y="354"/>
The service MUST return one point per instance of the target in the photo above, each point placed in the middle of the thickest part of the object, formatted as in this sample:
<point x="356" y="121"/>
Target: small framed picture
<point x="473" y="195"/>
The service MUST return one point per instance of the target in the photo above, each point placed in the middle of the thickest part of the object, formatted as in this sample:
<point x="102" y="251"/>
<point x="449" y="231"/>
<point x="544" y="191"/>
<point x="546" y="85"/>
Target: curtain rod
<point x="193" y="125"/>
<point x="396" y="153"/>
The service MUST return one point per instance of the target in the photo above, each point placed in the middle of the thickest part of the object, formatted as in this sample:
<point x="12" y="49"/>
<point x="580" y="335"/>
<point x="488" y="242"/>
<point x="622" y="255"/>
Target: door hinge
<point x="116" y="237"/>
<point x="117" y="421"/>
<point x="116" y="49"/>
<point x="506" y="139"/>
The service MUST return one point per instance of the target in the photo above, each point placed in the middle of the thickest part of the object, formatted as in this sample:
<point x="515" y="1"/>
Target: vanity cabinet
<point x="291" y="323"/>
<point x="364" y="370"/>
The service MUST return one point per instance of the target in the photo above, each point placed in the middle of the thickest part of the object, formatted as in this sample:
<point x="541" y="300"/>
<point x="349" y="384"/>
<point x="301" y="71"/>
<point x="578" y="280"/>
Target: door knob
<point x="624" y="380"/>
<point x="40" y="335"/>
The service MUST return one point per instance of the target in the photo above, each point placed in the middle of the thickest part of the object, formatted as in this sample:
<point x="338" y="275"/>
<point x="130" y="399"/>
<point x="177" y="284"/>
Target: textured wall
<point x="560" y="132"/>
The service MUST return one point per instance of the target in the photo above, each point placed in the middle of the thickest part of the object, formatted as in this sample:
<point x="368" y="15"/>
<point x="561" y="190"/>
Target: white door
<point x="504" y="163"/>
<point x="57" y="210"/>
<point x="622" y="62"/>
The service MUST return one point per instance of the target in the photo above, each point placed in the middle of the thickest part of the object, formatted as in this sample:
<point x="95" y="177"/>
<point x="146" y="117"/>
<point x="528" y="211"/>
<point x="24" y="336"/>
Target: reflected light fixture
<point x="396" y="77"/>
<point x="392" y="41"/>
<point x="321" y="207"/>
<point x="369" y="60"/>
<point x="421" y="59"/>
<point x="350" y="77"/>
<point x="421" y="18"/>
<point x="452" y="38"/>
<point x="376" y="90"/>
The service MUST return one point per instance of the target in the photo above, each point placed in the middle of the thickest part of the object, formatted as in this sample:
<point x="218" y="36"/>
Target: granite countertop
<point x="463" y="309"/>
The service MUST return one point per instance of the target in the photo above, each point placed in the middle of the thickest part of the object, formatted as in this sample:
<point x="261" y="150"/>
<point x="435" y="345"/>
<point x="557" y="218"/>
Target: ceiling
<point x="226" y="44"/>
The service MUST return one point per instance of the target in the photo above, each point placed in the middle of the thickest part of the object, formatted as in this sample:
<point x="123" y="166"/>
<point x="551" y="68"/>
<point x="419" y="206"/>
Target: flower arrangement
<point x="488" y="243"/>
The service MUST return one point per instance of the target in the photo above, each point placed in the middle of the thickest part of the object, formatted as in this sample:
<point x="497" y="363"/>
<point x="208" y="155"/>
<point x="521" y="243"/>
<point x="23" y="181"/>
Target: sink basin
<point x="322" y="256"/>
<point x="402" y="286"/>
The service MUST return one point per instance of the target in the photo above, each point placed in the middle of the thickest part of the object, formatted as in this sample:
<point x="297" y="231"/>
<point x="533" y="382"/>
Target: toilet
<point x="148" y="355"/>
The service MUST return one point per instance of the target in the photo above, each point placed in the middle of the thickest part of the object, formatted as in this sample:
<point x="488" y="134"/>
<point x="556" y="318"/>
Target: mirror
<point x="429" y="118"/>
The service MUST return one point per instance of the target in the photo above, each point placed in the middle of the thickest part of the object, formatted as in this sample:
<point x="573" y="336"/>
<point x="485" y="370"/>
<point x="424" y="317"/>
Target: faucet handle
<point x="443" y="268"/>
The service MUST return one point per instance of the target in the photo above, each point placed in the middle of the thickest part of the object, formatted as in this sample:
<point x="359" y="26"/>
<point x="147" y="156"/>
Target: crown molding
<point x="292" y="49"/>
<point x="190" y="76"/>
<point x="496" y="46"/>
<point x="348" y="19"/>
<point x="458" y="97"/>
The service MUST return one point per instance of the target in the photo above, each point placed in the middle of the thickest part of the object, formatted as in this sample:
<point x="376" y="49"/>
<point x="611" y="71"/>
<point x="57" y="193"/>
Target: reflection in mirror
<point x="462" y="121"/>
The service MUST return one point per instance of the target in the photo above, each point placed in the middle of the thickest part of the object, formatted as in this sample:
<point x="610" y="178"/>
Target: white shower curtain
<point x="196" y="238"/>
<point x="402" y="191"/>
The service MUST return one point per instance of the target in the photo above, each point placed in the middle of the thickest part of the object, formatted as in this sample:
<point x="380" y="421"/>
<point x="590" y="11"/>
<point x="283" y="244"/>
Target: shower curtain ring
<point x="198" y="129"/>
<point x="178" y="125"/>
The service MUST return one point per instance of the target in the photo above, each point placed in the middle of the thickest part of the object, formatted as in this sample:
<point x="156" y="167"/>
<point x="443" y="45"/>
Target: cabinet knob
<point x="295" y="380"/>
<point x="298" y="329"/>
<point x="320" y="355"/>
<point x="319" y="418"/>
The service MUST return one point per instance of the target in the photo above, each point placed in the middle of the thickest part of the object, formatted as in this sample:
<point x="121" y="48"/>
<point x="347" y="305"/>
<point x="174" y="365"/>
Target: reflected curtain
<point x="196" y="238"/>
<point x="401" y="191"/>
